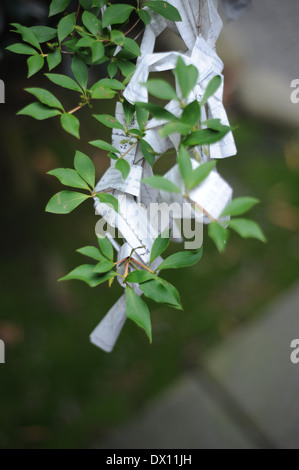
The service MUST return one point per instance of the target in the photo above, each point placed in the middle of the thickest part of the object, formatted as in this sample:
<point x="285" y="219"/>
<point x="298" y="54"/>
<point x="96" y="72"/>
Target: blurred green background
<point x="56" y="389"/>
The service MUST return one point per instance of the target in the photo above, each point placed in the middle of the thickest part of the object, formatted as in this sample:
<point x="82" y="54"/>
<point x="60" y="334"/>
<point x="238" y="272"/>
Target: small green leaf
<point x="173" y="127"/>
<point x="65" y="202"/>
<point x="139" y="276"/>
<point x="219" y="235"/>
<point x="181" y="259"/>
<point x="91" y="252"/>
<point x="162" y="291"/>
<point x="211" y="89"/>
<point x="112" y="69"/>
<point x="247" y="229"/>
<point x="109" y="121"/>
<point x="106" y="248"/>
<point x="159" y="182"/>
<point x="27" y="35"/>
<point x="117" y="37"/>
<point x="206" y="136"/>
<point x="86" y="273"/>
<point x="91" y="22"/>
<point x="80" y="71"/>
<point x="116" y="14"/>
<point x="111" y="83"/>
<point x="45" y="97"/>
<point x="39" y="111"/>
<point x="69" y="177"/>
<point x="164" y="9"/>
<point x="108" y="199"/>
<point x="191" y="114"/>
<point x="35" y="63"/>
<point x="102" y="93"/>
<point x="129" y="110"/>
<point x="126" y="67"/>
<point x="157" y="111"/>
<point x="200" y="173"/>
<point x="104" y="267"/>
<point x="101" y="144"/>
<point x="20" y="48"/>
<point x="160" y="89"/>
<point x="43" y="33"/>
<point x="137" y="310"/>
<point x="66" y="26"/>
<point x="123" y="166"/>
<point x="85" y="167"/>
<point x="70" y="124"/>
<point x="142" y="116"/>
<point x="132" y="47"/>
<point x="54" y="59"/>
<point x="63" y="81"/>
<point x="185" y="165"/>
<point x="57" y="6"/>
<point x="160" y="245"/>
<point x="148" y="152"/>
<point x="239" y="206"/>
<point x="145" y="17"/>
<point x="97" y="51"/>
<point x="187" y="76"/>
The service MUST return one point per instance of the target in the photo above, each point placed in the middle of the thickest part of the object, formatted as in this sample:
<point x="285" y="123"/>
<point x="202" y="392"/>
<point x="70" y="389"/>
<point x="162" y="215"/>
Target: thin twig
<point x="132" y="27"/>
<point x="78" y="11"/>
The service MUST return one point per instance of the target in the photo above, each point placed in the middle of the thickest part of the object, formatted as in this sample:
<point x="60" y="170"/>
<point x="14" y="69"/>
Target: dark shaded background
<point x="56" y="389"/>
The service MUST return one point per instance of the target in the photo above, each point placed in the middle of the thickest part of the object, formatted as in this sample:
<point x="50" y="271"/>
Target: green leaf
<point x="164" y="9"/>
<point x="69" y="177"/>
<point x="157" y="111"/>
<point x="137" y="310"/>
<point x="91" y="252"/>
<point x="106" y="248"/>
<point x="35" y="63"/>
<point x="160" y="89"/>
<point x="111" y="83"/>
<point x="200" y="173"/>
<point x="148" y="152"/>
<point x="80" y="71"/>
<point x="27" y="35"/>
<point x="91" y="22"/>
<point x="211" y="89"/>
<point x="104" y="266"/>
<point x="239" y="206"/>
<point x="159" y="182"/>
<point x="247" y="229"/>
<point x="101" y="144"/>
<point x="70" y="124"/>
<point x="112" y="69"/>
<point x="132" y="47"/>
<point x="45" y="97"/>
<point x="176" y="126"/>
<point x="187" y="76"/>
<point x="205" y="136"/>
<point x="142" y="116"/>
<point x="162" y="291"/>
<point x="108" y="199"/>
<point x="109" y="121"/>
<point x="86" y="273"/>
<point x="145" y="16"/>
<point x="65" y="202"/>
<point x="126" y="67"/>
<point x="66" y="26"/>
<point x="86" y="4"/>
<point x="86" y="41"/>
<point x="160" y="245"/>
<point x="43" y="33"/>
<point x="39" y="111"/>
<point x="181" y="259"/>
<point x="99" y="3"/>
<point x="85" y="167"/>
<point x="191" y="114"/>
<point x="123" y="166"/>
<point x="57" y="6"/>
<point x="139" y="276"/>
<point x="97" y="51"/>
<point x="54" y="59"/>
<point x="117" y="37"/>
<point x="185" y="165"/>
<point x="102" y="93"/>
<point x="214" y="124"/>
<point x="20" y="48"/>
<point x="116" y="14"/>
<point x="219" y="235"/>
<point x="63" y="81"/>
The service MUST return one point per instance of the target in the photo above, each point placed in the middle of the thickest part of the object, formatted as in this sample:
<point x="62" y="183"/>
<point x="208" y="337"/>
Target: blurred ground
<point x="56" y="389"/>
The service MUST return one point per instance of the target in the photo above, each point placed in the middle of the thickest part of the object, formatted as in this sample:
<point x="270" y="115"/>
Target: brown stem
<point x="205" y="212"/>
<point x="131" y="29"/>
<point x="72" y="111"/>
<point x="142" y="265"/>
<point x="78" y="11"/>
<point x="129" y="150"/>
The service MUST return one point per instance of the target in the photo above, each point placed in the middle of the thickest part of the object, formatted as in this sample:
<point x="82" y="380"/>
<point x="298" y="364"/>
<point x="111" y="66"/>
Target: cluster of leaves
<point x="97" y="36"/>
